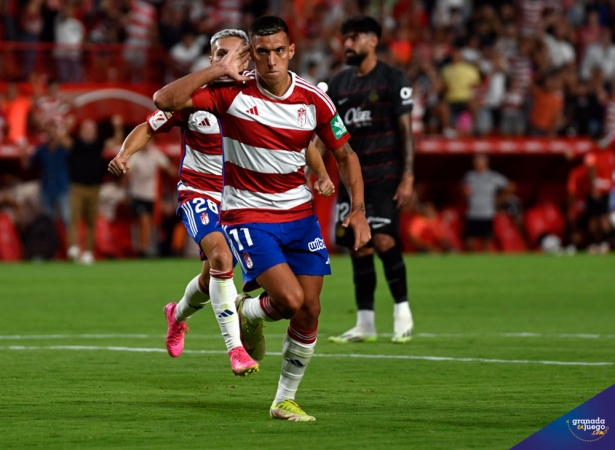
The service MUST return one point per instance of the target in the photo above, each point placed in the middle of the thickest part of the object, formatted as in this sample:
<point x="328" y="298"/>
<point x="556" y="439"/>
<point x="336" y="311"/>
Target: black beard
<point x="355" y="59"/>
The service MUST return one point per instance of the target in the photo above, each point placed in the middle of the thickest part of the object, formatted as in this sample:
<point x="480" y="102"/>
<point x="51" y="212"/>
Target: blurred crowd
<point x="511" y="67"/>
<point x="478" y="68"/>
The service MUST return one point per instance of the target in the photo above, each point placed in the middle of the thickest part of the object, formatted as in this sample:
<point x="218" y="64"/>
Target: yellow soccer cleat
<point x="355" y="334"/>
<point x="289" y="410"/>
<point x="252" y="336"/>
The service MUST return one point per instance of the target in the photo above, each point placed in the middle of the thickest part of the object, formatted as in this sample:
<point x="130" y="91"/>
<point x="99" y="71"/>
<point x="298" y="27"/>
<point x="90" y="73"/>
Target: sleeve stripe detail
<point x="322" y="95"/>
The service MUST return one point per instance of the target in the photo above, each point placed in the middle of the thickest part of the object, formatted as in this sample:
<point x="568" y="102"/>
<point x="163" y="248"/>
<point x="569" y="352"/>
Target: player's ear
<point x="211" y="59"/>
<point x="373" y="40"/>
<point x="291" y="51"/>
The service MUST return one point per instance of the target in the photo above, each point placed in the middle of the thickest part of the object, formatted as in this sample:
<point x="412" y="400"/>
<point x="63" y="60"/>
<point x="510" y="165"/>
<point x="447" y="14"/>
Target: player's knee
<point x="293" y="301"/>
<point x="221" y="258"/>
<point x="311" y="308"/>
<point x="383" y="242"/>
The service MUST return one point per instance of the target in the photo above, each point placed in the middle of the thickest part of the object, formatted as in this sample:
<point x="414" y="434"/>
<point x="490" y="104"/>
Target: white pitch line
<point x="18" y="337"/>
<point x="320" y="355"/>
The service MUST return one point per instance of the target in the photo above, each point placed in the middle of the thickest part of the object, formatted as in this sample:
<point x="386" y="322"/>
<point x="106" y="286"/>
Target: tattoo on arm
<point x="360" y="207"/>
<point x="346" y="149"/>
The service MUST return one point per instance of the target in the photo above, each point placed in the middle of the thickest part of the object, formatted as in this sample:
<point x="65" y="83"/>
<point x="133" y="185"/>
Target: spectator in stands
<point x="185" y="53"/>
<point x="600" y="164"/>
<point x="546" y="115"/>
<point x="600" y="55"/>
<point x="172" y="25"/>
<point x="31" y="28"/>
<point x="426" y="232"/>
<point x="86" y="175"/>
<point x="140" y="33"/>
<point x="561" y="52"/>
<point x="512" y="120"/>
<point x="459" y="79"/>
<point x="52" y="159"/>
<point x="584" y="111"/>
<point x="16" y="108"/>
<point x="52" y="106"/>
<point x="481" y="187"/>
<point x="142" y="190"/>
<point x="69" y="37"/>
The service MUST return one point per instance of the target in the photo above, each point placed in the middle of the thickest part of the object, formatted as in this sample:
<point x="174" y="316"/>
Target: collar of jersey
<point x="287" y="94"/>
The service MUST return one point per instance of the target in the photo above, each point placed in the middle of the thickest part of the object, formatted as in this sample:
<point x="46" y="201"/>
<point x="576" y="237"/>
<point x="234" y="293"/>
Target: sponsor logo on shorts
<point x="204" y="218"/>
<point x="588" y="430"/>
<point x="248" y="260"/>
<point x="317" y="244"/>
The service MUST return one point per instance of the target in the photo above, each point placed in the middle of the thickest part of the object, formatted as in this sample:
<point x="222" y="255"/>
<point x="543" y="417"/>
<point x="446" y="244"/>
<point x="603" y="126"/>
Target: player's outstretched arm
<point x="135" y="141"/>
<point x="350" y="174"/>
<point x="403" y="194"/>
<point x="177" y="96"/>
<point x="316" y="165"/>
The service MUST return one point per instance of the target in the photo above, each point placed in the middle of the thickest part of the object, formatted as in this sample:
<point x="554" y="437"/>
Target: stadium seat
<point x="452" y="223"/>
<point x="10" y="242"/>
<point x="507" y="235"/>
<point x="542" y="220"/>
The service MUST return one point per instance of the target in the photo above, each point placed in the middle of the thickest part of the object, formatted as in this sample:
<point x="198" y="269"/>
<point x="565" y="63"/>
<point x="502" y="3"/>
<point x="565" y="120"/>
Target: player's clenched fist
<point x="119" y="165"/>
<point x="324" y="186"/>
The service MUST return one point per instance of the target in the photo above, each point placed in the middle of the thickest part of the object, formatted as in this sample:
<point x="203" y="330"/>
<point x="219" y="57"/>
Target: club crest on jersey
<point x="204" y="218"/>
<point x="248" y="260"/>
<point x="301" y="117"/>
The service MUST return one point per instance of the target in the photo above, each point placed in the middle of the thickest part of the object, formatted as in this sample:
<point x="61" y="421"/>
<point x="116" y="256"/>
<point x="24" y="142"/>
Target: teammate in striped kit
<point x="199" y="190"/>
<point x="266" y="211"/>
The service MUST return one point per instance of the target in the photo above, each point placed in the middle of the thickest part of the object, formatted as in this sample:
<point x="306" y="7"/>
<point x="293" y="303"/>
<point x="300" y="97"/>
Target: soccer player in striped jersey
<point x="375" y="101"/>
<point x="200" y="189"/>
<point x="268" y="119"/>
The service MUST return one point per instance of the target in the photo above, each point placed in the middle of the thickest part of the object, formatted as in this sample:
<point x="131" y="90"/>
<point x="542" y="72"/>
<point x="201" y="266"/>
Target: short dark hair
<point x="268" y="25"/>
<point x="362" y="24"/>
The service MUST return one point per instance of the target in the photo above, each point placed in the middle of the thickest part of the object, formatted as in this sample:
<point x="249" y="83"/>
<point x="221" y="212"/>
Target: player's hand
<point x="403" y="195"/>
<point x="362" y="234"/>
<point x="324" y="186"/>
<point x="234" y="60"/>
<point x="119" y="165"/>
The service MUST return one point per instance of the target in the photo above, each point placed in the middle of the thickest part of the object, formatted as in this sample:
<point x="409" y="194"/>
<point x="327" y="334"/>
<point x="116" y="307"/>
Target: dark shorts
<point x="381" y="212"/>
<point x="140" y="207"/>
<point x="479" y="228"/>
<point x="597" y="206"/>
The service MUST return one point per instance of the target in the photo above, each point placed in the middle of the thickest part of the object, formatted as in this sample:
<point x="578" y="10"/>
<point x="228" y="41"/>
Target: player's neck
<point x="278" y="89"/>
<point x="367" y="65"/>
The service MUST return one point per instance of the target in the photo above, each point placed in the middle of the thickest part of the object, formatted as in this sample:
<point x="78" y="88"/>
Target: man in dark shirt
<point x="87" y="171"/>
<point x="375" y="102"/>
<point x="52" y="159"/>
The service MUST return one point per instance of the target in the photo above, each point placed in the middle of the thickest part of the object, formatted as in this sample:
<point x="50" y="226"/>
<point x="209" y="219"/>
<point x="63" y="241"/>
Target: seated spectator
<point x="459" y="79"/>
<point x="547" y="107"/>
<point x="481" y="186"/>
<point x="426" y="232"/>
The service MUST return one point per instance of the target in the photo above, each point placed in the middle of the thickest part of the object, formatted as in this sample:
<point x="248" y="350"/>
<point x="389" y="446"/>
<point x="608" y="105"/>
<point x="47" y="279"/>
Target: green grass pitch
<point x="82" y="360"/>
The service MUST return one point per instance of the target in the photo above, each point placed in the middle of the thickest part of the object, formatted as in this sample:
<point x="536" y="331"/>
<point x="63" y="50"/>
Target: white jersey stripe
<point x="263" y="160"/>
<point x="305" y="85"/>
<point x="202" y="162"/>
<point x="275" y="115"/>
<point x="214" y="195"/>
<point x="241" y="199"/>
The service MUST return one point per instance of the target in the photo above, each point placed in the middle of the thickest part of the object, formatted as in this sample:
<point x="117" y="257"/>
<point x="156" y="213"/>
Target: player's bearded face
<point x="356" y="48"/>
<point x="271" y="55"/>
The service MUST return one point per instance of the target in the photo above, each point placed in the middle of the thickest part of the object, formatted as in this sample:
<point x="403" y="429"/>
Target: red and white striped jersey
<point x="264" y="141"/>
<point x="200" y="171"/>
